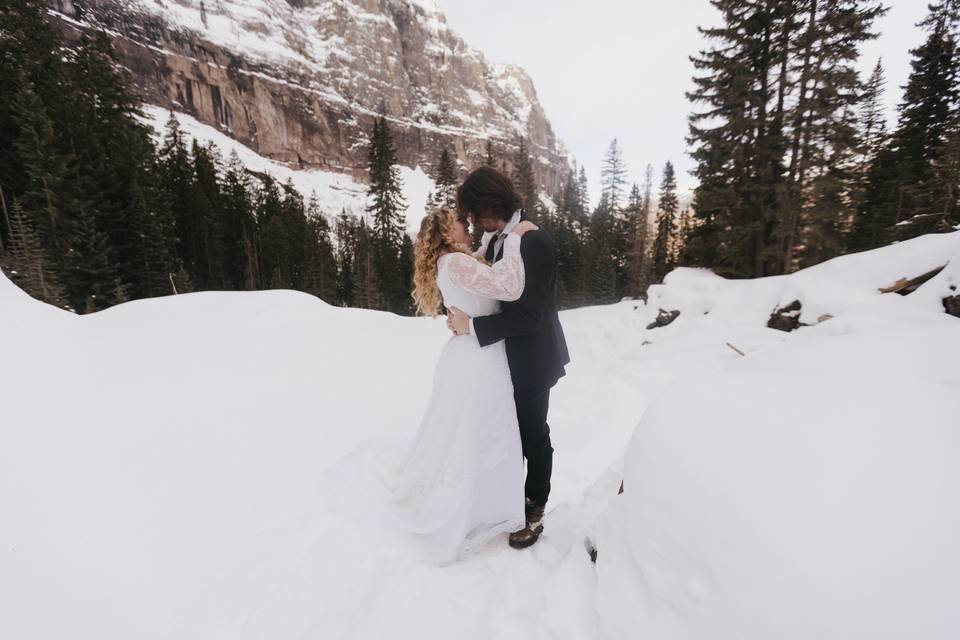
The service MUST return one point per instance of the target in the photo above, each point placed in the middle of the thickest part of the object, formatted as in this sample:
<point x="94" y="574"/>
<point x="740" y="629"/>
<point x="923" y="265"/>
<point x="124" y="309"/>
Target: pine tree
<point x="489" y="158"/>
<point x="406" y="272"/>
<point x="825" y="144"/>
<point x="872" y="121"/>
<point x="943" y="11"/>
<point x="320" y="267"/>
<point x="84" y="160"/>
<point x="114" y="148"/>
<point x="777" y="85"/>
<point x="46" y="169"/>
<point x="903" y="180"/>
<point x="176" y="178"/>
<point x="737" y="180"/>
<point x="604" y="274"/>
<point x="613" y="180"/>
<point x="601" y="286"/>
<point x="930" y="102"/>
<point x="29" y="51"/>
<point x="639" y="208"/>
<point x="634" y="251"/>
<point x="524" y="179"/>
<point x="566" y="230"/>
<point x="613" y="175"/>
<point x="680" y="237"/>
<point x="208" y="215"/>
<point x="28" y="261"/>
<point x="666" y="221"/>
<point x="646" y="212"/>
<point x="271" y="235"/>
<point x="156" y="244"/>
<point x="584" y="204"/>
<point x="946" y="169"/>
<point x="346" y="231"/>
<point x="292" y="227"/>
<point x="93" y="277"/>
<point x="445" y="181"/>
<point x="582" y="229"/>
<point x="872" y="132"/>
<point x="240" y="245"/>
<point x="5" y="231"/>
<point x="386" y="208"/>
<point x="368" y="292"/>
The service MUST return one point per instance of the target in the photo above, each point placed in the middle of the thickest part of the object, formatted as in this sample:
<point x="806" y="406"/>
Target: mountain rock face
<point x="300" y="81"/>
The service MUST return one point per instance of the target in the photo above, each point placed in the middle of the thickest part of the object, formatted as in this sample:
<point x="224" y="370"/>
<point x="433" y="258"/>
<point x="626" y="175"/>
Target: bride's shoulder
<point x="454" y="257"/>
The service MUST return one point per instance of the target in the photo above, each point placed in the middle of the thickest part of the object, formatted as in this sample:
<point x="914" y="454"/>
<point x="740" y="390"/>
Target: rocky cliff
<point x="300" y="81"/>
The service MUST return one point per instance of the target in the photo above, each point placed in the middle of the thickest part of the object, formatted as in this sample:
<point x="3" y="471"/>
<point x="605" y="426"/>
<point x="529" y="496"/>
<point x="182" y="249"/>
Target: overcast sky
<point x="619" y="68"/>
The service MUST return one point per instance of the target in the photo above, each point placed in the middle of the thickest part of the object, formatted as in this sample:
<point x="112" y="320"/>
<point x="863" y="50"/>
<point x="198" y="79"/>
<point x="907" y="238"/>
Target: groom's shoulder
<point x="539" y="240"/>
<point x="541" y="233"/>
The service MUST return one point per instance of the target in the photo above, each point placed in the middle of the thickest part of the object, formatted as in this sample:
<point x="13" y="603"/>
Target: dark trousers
<point x="532" y="405"/>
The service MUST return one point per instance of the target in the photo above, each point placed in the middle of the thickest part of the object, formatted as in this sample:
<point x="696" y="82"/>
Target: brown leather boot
<point x="530" y="533"/>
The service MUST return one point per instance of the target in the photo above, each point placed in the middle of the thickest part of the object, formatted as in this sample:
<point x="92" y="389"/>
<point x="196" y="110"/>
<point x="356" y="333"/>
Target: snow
<point x="507" y="78"/>
<point x="268" y="30"/>
<point x="207" y="466"/>
<point x="336" y="192"/>
<point x="848" y="283"/>
<point x="810" y="488"/>
<point x="802" y="494"/>
<point x="317" y="39"/>
<point x="547" y="201"/>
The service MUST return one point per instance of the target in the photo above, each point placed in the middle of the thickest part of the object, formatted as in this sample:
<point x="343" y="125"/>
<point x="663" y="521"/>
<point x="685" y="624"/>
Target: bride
<point x="461" y="482"/>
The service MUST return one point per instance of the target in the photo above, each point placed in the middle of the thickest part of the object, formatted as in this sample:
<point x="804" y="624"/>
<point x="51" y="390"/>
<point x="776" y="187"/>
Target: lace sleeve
<point x="503" y="280"/>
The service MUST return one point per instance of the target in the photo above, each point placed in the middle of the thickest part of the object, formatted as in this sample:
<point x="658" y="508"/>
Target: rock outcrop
<point x="951" y="304"/>
<point x="300" y="81"/>
<point x="663" y="318"/>
<point x="786" y="318"/>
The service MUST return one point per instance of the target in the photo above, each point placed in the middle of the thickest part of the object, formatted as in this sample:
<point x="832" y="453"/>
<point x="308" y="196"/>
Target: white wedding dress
<point x="461" y="482"/>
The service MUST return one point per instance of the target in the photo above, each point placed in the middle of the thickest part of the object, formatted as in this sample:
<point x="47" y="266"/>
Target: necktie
<point x="497" y="245"/>
<point x="491" y="252"/>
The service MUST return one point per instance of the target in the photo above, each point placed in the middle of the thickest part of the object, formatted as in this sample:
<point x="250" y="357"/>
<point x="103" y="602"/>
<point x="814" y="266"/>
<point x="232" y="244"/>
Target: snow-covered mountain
<point x="299" y="81"/>
<point x="208" y="466"/>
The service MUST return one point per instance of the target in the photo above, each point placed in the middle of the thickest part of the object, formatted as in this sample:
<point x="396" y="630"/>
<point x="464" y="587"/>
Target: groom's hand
<point x="458" y="321"/>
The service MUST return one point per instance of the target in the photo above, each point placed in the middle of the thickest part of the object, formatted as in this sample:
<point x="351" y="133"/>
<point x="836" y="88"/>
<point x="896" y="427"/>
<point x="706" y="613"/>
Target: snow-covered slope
<point x="207" y="466"/>
<point x="335" y="192"/>
<point x="844" y="287"/>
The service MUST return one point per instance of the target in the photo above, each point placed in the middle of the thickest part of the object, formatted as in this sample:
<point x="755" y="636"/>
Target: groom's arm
<point x="526" y="314"/>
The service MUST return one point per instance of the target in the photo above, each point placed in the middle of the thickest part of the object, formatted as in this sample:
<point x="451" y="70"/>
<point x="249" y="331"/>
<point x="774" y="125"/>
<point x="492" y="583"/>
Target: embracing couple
<point x="462" y="482"/>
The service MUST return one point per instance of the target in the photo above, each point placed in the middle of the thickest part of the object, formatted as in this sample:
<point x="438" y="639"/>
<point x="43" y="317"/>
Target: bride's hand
<point x="458" y="321"/>
<point x="523" y="227"/>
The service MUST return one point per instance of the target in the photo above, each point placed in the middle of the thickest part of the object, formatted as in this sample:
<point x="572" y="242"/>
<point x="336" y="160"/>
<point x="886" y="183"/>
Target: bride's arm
<point x="503" y="280"/>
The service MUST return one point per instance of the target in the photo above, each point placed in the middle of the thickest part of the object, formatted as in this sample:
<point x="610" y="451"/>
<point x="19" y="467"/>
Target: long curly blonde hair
<point x="432" y="241"/>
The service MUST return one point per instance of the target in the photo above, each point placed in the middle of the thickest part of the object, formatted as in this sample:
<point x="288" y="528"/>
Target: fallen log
<point x="905" y="286"/>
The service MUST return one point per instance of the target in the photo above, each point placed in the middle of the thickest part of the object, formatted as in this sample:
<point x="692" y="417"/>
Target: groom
<point x="535" y="345"/>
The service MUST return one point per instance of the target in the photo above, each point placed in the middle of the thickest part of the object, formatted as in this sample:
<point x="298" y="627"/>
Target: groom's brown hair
<point x="486" y="193"/>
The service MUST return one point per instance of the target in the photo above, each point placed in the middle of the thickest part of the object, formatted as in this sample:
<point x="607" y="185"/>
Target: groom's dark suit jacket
<point x="536" y="347"/>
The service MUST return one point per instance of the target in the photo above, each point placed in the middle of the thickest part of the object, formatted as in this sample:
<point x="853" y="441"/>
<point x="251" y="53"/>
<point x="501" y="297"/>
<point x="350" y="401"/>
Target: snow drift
<point x="807" y="490"/>
<point x="207" y="466"/>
